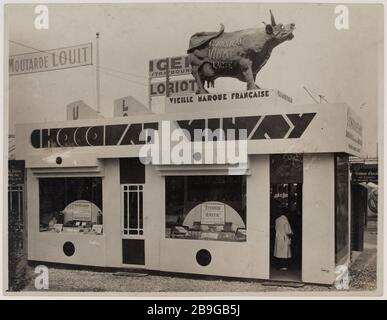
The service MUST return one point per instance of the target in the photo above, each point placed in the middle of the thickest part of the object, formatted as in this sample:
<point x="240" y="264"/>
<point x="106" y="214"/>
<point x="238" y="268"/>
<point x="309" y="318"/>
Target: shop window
<point x="72" y="205"/>
<point x="206" y="207"/>
<point x="132" y="204"/>
<point x="341" y="206"/>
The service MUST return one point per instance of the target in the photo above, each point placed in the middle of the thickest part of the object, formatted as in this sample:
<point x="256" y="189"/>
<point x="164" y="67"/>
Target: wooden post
<point x="167" y="80"/>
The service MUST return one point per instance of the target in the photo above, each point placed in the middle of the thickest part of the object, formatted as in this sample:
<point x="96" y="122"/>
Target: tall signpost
<point x="98" y="77"/>
<point x="167" y="80"/>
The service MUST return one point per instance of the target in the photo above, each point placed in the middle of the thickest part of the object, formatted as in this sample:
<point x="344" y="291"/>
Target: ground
<point x="362" y="272"/>
<point x="362" y="278"/>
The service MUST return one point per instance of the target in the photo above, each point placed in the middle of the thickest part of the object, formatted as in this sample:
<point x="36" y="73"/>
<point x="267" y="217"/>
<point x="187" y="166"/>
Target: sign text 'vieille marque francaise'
<point x="277" y="126"/>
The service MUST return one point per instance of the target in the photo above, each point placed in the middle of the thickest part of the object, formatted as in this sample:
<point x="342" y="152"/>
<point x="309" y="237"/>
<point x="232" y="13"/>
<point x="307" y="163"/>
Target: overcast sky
<point x="342" y="65"/>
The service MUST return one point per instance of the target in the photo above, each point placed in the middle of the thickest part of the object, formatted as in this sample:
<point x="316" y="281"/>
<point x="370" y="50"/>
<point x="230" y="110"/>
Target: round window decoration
<point x="58" y="160"/>
<point x="68" y="248"/>
<point x="203" y="257"/>
<point x="197" y="156"/>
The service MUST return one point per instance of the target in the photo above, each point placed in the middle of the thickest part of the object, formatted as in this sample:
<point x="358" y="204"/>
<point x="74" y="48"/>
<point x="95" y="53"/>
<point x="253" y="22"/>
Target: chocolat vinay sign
<point x="276" y="126"/>
<point x="55" y="59"/>
<point x="266" y="129"/>
<point x="175" y="66"/>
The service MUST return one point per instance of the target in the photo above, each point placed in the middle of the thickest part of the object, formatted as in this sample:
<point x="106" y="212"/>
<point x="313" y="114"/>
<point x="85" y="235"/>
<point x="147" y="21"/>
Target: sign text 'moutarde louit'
<point x="278" y="126"/>
<point x="55" y="59"/>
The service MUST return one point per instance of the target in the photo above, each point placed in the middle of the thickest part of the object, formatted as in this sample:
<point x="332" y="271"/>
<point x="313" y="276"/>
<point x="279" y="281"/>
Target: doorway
<point x="286" y="205"/>
<point x="132" y="181"/>
<point x="133" y="240"/>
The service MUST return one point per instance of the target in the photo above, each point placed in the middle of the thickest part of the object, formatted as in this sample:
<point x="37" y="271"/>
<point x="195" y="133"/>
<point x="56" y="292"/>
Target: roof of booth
<point x="270" y="128"/>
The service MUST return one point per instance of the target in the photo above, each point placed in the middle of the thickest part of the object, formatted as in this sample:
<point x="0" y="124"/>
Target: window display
<point x="206" y="207"/>
<point x="71" y="205"/>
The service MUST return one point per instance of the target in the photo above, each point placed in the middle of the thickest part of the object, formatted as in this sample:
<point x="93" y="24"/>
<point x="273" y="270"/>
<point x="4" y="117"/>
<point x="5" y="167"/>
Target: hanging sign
<point x="363" y="172"/>
<point x="16" y="172"/>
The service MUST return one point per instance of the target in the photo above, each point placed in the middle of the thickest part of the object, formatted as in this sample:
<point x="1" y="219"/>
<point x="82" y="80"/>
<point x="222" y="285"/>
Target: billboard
<point x="178" y="87"/>
<point x="364" y="172"/>
<point x="16" y="172"/>
<point x="54" y="59"/>
<point x="177" y="66"/>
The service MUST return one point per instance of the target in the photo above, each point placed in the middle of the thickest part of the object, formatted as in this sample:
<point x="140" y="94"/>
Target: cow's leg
<point x="248" y="74"/>
<point x="199" y="82"/>
<point x="255" y="77"/>
<point x="195" y="63"/>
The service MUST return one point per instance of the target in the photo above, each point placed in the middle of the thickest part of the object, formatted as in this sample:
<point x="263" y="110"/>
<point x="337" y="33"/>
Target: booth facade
<point x="91" y="201"/>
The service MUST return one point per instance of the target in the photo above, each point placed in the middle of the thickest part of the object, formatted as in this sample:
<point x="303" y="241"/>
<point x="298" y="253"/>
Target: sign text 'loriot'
<point x="175" y="87"/>
<point x="285" y="126"/>
<point x="54" y="59"/>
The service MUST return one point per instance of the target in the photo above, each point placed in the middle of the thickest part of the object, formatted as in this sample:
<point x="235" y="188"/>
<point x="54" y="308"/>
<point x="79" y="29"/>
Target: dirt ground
<point x="70" y="279"/>
<point x="84" y="280"/>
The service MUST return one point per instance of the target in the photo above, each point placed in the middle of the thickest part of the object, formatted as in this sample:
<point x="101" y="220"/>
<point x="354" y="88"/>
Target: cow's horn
<point x="272" y="19"/>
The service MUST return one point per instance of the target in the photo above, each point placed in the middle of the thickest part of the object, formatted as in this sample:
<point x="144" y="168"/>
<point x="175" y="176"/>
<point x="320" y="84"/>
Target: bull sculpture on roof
<point x="239" y="54"/>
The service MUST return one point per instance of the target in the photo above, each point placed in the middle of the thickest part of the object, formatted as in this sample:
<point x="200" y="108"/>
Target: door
<point x="286" y="177"/>
<point x="133" y="238"/>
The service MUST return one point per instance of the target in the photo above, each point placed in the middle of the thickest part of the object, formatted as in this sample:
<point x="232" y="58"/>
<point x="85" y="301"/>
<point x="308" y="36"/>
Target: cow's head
<point x="279" y="32"/>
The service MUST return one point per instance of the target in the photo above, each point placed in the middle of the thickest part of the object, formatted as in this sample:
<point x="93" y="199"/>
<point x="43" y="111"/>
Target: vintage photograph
<point x="224" y="149"/>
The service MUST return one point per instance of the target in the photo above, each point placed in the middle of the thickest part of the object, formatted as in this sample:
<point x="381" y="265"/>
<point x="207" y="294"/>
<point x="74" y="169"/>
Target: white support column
<point x="318" y="219"/>
<point x="111" y="193"/>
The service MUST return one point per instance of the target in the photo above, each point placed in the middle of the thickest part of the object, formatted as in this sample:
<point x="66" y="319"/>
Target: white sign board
<point x="78" y="110"/>
<point x="213" y="213"/>
<point x="354" y="131"/>
<point x="177" y="66"/>
<point x="129" y="106"/>
<point x="81" y="211"/>
<point x="55" y="59"/>
<point x="178" y="87"/>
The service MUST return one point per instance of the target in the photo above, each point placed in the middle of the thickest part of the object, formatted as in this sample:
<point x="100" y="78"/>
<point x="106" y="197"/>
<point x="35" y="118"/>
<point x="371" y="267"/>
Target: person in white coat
<point x="283" y="232"/>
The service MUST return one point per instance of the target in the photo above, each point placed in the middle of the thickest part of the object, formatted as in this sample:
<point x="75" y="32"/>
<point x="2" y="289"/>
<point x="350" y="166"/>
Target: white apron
<point x="282" y="239"/>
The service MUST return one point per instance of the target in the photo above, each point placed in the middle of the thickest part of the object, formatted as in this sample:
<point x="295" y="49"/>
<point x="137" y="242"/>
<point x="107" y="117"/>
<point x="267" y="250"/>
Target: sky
<point x="343" y="65"/>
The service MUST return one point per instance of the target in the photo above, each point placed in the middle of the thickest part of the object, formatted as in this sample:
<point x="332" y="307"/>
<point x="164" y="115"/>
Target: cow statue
<point x="239" y="54"/>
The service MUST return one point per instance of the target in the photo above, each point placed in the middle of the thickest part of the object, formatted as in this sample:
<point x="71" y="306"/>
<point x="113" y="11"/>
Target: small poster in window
<point x="81" y="211"/>
<point x="97" y="228"/>
<point x="58" y="227"/>
<point x="213" y="213"/>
